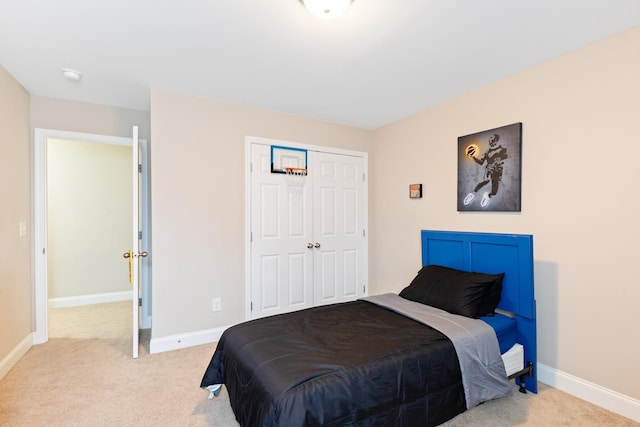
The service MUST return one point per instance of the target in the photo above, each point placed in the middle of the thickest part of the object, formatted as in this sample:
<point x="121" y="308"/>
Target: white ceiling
<point x="382" y="61"/>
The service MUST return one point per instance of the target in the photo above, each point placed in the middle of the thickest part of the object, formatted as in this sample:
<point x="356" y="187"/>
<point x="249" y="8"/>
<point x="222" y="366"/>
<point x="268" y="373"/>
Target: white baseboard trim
<point x="593" y="393"/>
<point x="90" y="299"/>
<point x="174" y="342"/>
<point x="14" y="355"/>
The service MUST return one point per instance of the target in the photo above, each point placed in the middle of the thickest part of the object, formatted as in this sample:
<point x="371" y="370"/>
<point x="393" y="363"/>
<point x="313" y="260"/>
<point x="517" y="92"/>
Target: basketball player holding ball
<point x="494" y="158"/>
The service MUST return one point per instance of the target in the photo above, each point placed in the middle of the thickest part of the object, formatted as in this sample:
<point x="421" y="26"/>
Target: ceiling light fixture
<point x="71" y="75"/>
<point x="327" y="9"/>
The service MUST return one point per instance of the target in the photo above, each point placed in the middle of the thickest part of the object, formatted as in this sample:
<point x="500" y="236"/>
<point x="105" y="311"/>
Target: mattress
<point x="514" y="359"/>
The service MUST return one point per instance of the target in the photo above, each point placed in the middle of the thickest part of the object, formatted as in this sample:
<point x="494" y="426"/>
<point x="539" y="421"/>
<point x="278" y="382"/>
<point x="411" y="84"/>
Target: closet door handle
<point x="310" y="245"/>
<point x="317" y="245"/>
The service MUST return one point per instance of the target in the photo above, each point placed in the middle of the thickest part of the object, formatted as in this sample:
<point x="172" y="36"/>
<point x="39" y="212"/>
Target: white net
<point x="295" y="179"/>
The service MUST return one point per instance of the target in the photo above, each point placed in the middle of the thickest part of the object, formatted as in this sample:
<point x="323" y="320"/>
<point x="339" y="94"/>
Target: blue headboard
<point x="494" y="253"/>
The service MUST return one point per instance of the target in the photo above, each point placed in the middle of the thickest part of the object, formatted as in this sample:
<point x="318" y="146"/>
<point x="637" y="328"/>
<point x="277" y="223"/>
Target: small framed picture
<point x="415" y="191"/>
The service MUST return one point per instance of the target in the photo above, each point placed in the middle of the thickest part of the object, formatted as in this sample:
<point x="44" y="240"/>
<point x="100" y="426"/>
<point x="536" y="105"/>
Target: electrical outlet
<point x="216" y="304"/>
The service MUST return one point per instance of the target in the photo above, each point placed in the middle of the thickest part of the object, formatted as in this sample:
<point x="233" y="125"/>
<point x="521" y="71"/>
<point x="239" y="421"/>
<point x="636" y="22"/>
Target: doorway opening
<point x="69" y="156"/>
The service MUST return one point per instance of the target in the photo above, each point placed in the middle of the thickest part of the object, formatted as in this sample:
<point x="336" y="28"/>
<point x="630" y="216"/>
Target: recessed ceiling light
<point x="70" y="74"/>
<point x="327" y="9"/>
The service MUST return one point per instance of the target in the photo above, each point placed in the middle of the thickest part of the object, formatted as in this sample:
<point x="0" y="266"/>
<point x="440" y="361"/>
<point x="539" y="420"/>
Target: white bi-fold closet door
<point x="307" y="247"/>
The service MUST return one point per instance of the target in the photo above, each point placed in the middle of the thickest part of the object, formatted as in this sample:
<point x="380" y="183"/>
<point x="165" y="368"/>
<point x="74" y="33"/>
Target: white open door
<point x="134" y="254"/>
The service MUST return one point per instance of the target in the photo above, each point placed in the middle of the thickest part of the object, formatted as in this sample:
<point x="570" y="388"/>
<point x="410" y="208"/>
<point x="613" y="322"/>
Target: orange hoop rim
<point x="294" y="170"/>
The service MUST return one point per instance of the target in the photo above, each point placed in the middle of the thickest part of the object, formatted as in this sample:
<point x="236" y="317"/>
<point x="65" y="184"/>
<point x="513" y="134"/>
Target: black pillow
<point x="456" y="291"/>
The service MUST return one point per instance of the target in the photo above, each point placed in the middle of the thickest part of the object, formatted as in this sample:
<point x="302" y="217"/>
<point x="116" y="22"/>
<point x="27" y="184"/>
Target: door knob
<point x="141" y="254"/>
<point x="310" y="245"/>
<point x="317" y="245"/>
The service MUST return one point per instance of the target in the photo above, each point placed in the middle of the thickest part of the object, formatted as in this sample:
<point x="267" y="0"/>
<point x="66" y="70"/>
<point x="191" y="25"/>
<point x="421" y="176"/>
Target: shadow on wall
<point x="547" y="316"/>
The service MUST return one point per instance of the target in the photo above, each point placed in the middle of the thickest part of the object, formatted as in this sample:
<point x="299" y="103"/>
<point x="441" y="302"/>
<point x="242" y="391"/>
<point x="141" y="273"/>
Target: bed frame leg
<point x="526" y="372"/>
<point x="522" y="388"/>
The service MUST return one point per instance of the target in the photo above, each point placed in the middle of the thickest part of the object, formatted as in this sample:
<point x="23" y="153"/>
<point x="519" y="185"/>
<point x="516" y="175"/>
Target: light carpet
<point x="85" y="376"/>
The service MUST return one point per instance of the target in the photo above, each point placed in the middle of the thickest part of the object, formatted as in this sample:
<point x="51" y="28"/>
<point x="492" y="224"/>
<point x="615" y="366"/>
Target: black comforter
<point x="339" y="365"/>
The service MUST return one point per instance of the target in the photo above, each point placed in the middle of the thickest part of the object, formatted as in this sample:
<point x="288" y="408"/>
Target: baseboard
<point x="174" y="342"/>
<point x="593" y="393"/>
<point x="90" y="299"/>
<point x="14" y="355"/>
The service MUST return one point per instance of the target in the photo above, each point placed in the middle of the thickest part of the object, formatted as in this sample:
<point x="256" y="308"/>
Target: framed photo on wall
<point x="415" y="191"/>
<point x="490" y="169"/>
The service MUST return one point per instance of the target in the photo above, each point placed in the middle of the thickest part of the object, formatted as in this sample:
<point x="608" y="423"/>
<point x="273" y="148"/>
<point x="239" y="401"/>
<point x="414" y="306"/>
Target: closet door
<point x="339" y="232"/>
<point x="281" y="230"/>
<point x="307" y="248"/>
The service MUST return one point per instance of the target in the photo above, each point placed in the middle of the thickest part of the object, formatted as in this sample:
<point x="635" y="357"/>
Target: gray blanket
<point x="483" y="373"/>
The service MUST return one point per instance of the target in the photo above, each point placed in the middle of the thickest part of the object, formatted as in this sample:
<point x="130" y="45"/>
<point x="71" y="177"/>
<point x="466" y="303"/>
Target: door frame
<point x="249" y="140"/>
<point x="40" y="248"/>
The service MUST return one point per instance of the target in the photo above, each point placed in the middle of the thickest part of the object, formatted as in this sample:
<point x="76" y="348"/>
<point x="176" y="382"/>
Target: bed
<point x="417" y="358"/>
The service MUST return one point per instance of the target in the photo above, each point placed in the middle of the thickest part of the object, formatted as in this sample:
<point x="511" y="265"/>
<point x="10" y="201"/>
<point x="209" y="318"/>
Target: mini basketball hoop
<point x="295" y="179"/>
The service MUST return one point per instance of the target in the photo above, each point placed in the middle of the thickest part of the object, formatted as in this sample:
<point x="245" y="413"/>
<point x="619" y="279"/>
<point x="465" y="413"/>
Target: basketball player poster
<point x="489" y="170"/>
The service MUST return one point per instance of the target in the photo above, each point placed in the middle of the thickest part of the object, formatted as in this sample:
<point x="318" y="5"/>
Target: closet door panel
<point x="339" y="230"/>
<point x="281" y="228"/>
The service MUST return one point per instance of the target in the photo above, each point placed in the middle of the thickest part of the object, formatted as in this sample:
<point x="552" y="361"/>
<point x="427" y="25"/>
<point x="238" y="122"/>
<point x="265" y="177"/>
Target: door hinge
<point x="364" y="176"/>
<point x="139" y="302"/>
<point x="139" y="235"/>
<point x="251" y="309"/>
<point x="139" y="167"/>
<point x="364" y="233"/>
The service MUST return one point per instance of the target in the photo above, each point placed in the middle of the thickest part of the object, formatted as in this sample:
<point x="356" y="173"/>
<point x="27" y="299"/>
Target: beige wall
<point x="16" y="290"/>
<point x="580" y="200"/>
<point x="73" y="116"/>
<point x="89" y="217"/>
<point x="198" y="202"/>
